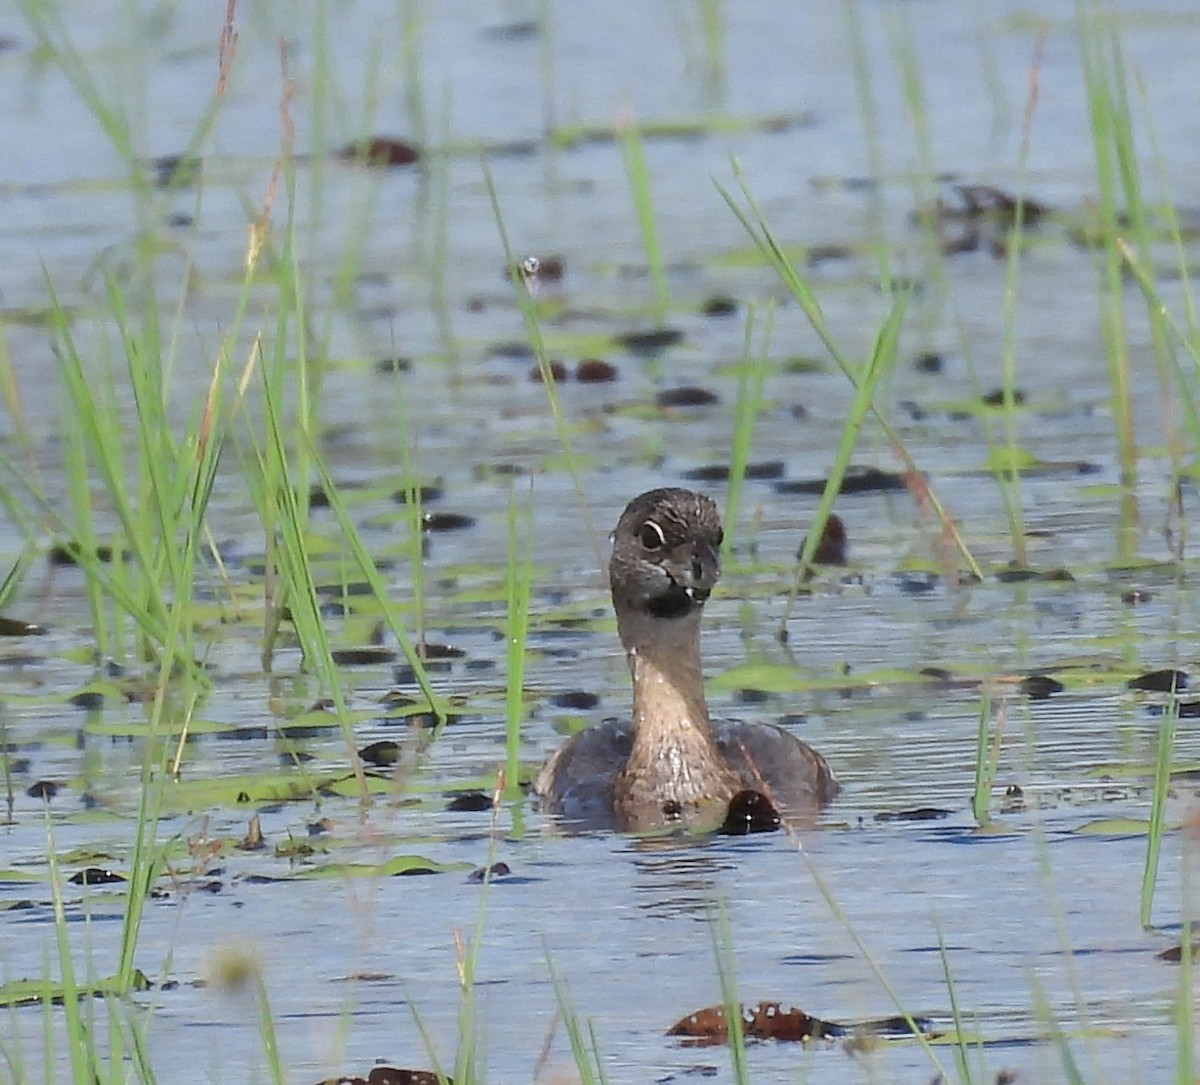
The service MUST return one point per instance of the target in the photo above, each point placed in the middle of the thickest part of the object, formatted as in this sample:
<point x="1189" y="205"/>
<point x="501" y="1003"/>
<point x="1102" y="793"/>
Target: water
<point x="1038" y="911"/>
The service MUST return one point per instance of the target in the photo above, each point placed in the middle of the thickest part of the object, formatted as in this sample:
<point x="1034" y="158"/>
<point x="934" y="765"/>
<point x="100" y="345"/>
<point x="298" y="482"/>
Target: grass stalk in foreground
<point x="839" y="914"/>
<point x="533" y="331"/>
<point x="79" y="1046"/>
<point x="987" y="755"/>
<point x="1158" y="804"/>
<point x="588" y="1062"/>
<point x="1008" y="471"/>
<point x="755" y="224"/>
<point x="722" y="936"/>
<point x="752" y="372"/>
<point x="881" y="361"/>
<point x="639" y="186"/>
<point x="1116" y="172"/>
<point x="961" y="1051"/>
<point x="518" y="584"/>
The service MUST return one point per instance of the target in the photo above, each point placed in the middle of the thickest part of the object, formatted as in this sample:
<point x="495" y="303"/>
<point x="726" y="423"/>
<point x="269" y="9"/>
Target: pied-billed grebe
<point x="668" y="764"/>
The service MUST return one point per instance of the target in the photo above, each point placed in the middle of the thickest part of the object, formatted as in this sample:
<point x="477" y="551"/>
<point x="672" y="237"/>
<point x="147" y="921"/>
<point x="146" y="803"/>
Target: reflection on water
<point x="674" y="878"/>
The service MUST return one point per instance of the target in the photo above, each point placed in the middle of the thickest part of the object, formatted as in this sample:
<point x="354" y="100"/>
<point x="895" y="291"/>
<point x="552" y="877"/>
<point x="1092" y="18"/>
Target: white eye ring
<point x="651" y="536"/>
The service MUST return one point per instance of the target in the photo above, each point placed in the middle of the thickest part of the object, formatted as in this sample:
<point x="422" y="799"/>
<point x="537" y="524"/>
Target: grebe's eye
<point x="651" y="536"/>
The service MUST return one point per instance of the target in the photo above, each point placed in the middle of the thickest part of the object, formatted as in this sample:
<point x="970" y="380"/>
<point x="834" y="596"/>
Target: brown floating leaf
<point x="558" y="372"/>
<point x="770" y="1021"/>
<point x="380" y="151"/>
<point x="1174" y="954"/>
<point x="14" y="627"/>
<point x="389" y="1075"/>
<point x="765" y="1021"/>
<point x="595" y="371"/>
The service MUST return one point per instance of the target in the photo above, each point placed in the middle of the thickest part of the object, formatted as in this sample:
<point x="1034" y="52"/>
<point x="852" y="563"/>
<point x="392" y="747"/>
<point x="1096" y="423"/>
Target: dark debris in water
<point x="649" y="342"/>
<point x="389" y="1075"/>
<point x="767" y="470"/>
<point x="1183" y="709"/>
<point x="1015" y="573"/>
<point x="580" y="700"/>
<point x="88" y="699"/>
<point x="175" y="170"/>
<point x="857" y="480"/>
<point x="750" y="812"/>
<point x="687" y="395"/>
<point x="997" y="398"/>
<point x="1039" y="687"/>
<point x="383" y="754"/>
<point x="359" y="657"/>
<point x="424" y="493"/>
<point x="1165" y="680"/>
<point x="595" y="371"/>
<point x="1174" y="954"/>
<point x="771" y="1021"/>
<point x="916" y="813"/>
<point x="386" y="151"/>
<point x="42" y="789"/>
<point x="446" y="521"/>
<point x="517" y="350"/>
<point x="69" y="553"/>
<point x="94" y="875"/>
<point x="558" y="372"/>
<point x="470" y="802"/>
<point x="915" y="581"/>
<point x="14" y="627"/>
<point x="394" y="364"/>
<point x="834" y="545"/>
<point x="719" y="305"/>
<point x="490" y="873"/>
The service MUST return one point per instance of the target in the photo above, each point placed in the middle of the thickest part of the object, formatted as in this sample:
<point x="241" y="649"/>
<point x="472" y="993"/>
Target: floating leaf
<point x="1114" y="827"/>
<point x="771" y="1021"/>
<point x="390" y="1075"/>
<point x="32" y="992"/>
